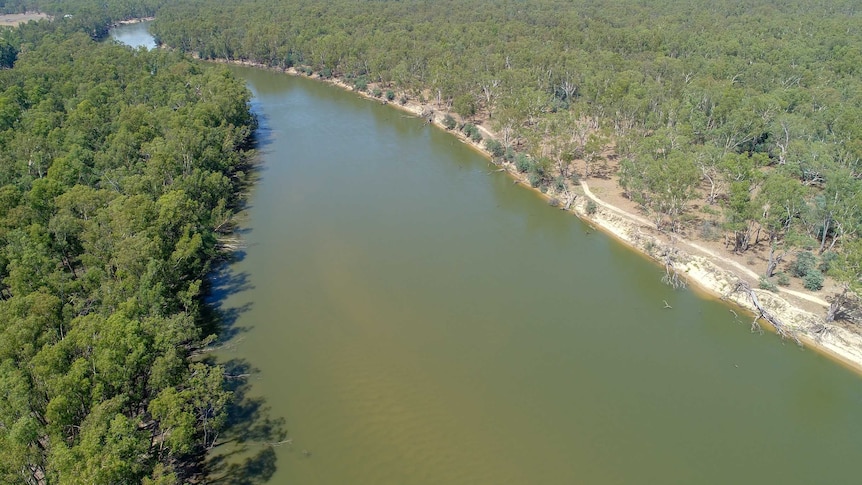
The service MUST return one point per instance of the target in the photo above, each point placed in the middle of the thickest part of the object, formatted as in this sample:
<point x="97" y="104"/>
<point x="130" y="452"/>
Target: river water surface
<point x="417" y="320"/>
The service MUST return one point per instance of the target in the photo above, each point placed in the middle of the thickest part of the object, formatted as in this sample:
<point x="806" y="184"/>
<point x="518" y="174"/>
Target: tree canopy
<point x="118" y="171"/>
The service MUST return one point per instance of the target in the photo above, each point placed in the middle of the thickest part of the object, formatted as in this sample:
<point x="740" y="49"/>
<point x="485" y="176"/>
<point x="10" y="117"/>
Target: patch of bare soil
<point x="14" y="19"/>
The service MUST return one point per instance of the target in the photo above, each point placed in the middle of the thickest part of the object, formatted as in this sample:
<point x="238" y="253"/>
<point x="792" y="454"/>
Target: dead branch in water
<point x="779" y="326"/>
<point x="671" y="275"/>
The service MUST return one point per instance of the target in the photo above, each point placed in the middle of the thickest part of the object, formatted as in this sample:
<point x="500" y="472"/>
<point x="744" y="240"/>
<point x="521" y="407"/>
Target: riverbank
<point x="799" y="314"/>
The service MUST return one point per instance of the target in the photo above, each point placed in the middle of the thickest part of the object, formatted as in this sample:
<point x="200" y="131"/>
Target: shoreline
<point x="703" y="270"/>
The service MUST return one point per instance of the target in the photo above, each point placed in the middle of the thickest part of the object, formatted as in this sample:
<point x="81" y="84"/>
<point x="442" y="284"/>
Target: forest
<point x="733" y="120"/>
<point x="119" y="174"/>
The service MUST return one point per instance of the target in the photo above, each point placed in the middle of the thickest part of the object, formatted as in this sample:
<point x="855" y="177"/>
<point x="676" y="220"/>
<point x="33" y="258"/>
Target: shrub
<point x="522" y="163"/>
<point x="767" y="284"/>
<point x="377" y="93"/>
<point x="804" y="264"/>
<point x="783" y="279"/>
<point x="326" y="73"/>
<point x="449" y="122"/>
<point x="591" y="207"/>
<point x="360" y="84"/>
<point x="575" y="178"/>
<point x="554" y="202"/>
<point x="509" y="156"/>
<point x="390" y="95"/>
<point x="813" y="280"/>
<point x="403" y="99"/>
<point x="472" y="132"/>
<point x="534" y="179"/>
<point x="495" y="147"/>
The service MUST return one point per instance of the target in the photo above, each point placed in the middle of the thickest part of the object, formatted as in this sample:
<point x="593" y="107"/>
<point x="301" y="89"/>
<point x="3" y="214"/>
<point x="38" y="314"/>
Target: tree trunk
<point x="836" y="304"/>
<point x="774" y="261"/>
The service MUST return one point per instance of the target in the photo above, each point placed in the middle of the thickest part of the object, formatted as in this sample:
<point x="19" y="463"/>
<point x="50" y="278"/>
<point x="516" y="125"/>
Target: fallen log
<point x="779" y="326"/>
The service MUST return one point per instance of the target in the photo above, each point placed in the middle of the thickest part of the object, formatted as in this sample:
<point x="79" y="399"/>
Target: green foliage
<point x="390" y="95"/>
<point x="523" y="163"/>
<point x="360" y="84"/>
<point x="377" y="93"/>
<point x="804" y="264"/>
<point x="767" y="284"/>
<point x="827" y="261"/>
<point x="783" y="279"/>
<point x="813" y="280"/>
<point x="119" y="168"/>
<point x="591" y="208"/>
<point x="494" y="147"/>
<point x="464" y="105"/>
<point x="559" y="184"/>
<point x="534" y="179"/>
<point x="472" y="131"/>
<point x="449" y="122"/>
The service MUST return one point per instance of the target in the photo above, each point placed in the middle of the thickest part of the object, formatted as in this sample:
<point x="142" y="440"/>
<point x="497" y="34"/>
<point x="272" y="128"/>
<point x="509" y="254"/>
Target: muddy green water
<point x="416" y="320"/>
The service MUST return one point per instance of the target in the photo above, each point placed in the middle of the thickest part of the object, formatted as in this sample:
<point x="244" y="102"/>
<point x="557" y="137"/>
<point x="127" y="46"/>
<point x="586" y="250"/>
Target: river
<point x="417" y="320"/>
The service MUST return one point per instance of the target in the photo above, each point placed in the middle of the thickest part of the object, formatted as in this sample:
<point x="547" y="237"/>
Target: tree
<point x="848" y="272"/>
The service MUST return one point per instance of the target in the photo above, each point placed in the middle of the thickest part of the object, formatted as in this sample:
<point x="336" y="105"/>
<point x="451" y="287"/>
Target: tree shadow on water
<point x="225" y="281"/>
<point x="246" y="452"/>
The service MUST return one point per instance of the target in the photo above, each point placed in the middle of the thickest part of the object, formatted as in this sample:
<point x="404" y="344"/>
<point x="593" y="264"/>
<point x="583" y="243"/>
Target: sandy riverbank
<point x="703" y="269"/>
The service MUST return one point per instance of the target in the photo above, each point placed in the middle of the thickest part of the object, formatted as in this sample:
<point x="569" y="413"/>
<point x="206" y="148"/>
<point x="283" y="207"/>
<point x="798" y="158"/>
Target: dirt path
<point x="700" y="249"/>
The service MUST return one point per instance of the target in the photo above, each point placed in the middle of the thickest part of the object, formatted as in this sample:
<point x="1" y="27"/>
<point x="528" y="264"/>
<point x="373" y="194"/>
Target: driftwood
<point x="779" y="326"/>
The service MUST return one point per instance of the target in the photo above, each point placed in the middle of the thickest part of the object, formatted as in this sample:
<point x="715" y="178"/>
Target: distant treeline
<point x="118" y="173"/>
<point x="753" y="107"/>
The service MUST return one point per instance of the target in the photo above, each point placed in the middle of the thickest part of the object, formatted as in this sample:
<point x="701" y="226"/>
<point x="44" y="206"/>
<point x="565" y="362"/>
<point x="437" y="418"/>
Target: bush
<point x="509" y="156"/>
<point x="591" y="207"/>
<point x="575" y="178"/>
<point x="377" y="93"/>
<point x="554" y="202"/>
<point x="813" y="280"/>
<point x="472" y="132"/>
<point x="804" y="264"/>
<point x="766" y="284"/>
<point x="534" y="179"/>
<point x="326" y="73"/>
<point x="360" y="84"/>
<point x="449" y="122"/>
<point x="390" y="95"/>
<point x="495" y="147"/>
<point x="403" y="99"/>
<point x="522" y="163"/>
<point x="783" y="279"/>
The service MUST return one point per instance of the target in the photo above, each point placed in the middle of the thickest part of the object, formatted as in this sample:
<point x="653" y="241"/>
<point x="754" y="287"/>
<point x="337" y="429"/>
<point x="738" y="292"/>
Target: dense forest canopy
<point x="118" y="173"/>
<point x="751" y="109"/>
